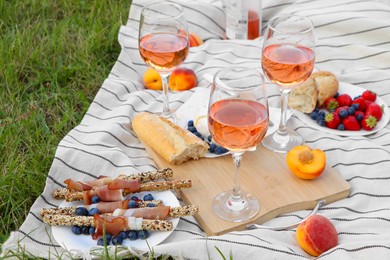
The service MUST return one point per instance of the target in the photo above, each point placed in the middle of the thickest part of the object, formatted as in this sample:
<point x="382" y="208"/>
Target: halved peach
<point x="306" y="163"/>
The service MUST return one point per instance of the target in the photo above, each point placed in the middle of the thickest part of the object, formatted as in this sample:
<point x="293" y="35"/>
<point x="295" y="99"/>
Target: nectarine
<point x="306" y="163"/>
<point x="316" y="235"/>
<point x="182" y="79"/>
<point x="152" y="79"/>
<point x="195" y="40"/>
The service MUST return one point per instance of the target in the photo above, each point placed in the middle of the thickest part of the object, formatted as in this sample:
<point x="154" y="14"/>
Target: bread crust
<point x="327" y="85"/>
<point x="171" y="142"/>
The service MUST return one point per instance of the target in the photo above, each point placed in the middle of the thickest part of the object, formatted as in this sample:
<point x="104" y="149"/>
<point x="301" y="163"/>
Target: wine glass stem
<point x="236" y="195"/>
<point x="282" y="130"/>
<point x="166" y="111"/>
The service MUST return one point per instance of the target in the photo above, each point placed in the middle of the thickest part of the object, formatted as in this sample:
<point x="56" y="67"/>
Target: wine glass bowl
<point x="287" y="60"/>
<point x="163" y="42"/>
<point x="238" y="121"/>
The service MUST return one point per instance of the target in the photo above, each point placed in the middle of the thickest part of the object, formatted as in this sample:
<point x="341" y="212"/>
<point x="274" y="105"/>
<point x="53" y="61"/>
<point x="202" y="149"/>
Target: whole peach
<point x="195" y="40"/>
<point x="182" y="79"/>
<point x="316" y="235"/>
<point x="152" y="79"/>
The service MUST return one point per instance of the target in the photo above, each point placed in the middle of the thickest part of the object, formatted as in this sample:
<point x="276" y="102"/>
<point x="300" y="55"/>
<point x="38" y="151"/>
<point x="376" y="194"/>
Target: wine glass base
<point x="175" y="119"/>
<point x="282" y="143"/>
<point x="235" y="211"/>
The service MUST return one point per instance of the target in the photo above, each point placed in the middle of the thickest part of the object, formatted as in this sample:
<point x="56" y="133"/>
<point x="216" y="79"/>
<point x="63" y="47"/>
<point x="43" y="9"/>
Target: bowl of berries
<point x="353" y="111"/>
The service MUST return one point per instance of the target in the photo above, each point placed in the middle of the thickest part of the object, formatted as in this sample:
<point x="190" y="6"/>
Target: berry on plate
<point x="369" y="122"/>
<point x="361" y="104"/>
<point x="331" y="104"/>
<point x="351" y="123"/>
<point x="344" y="100"/>
<point x="369" y="95"/>
<point x="332" y="120"/>
<point x="375" y="110"/>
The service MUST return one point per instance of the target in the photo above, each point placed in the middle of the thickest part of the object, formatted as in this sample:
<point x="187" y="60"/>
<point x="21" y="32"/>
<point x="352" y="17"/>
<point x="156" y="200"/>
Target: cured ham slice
<point x="131" y="186"/>
<point x="160" y="212"/>
<point x="104" y="194"/>
<point x="114" y="225"/>
<point x="83" y="186"/>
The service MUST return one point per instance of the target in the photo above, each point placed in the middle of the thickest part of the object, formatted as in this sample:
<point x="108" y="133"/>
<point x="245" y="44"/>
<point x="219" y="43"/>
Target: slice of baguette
<point x="304" y="97"/>
<point x="327" y="85"/>
<point x="171" y="142"/>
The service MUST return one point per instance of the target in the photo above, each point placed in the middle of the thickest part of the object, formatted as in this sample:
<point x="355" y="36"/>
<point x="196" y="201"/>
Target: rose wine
<point x="287" y="65"/>
<point x="238" y="124"/>
<point x="163" y="51"/>
<point x="253" y="25"/>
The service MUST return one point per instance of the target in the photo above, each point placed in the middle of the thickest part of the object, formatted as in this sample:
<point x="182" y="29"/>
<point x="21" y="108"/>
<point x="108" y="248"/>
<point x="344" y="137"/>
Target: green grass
<point x="54" y="56"/>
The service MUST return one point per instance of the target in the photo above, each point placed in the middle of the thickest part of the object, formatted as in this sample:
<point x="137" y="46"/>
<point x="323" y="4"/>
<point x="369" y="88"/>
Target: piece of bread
<point x="304" y="97"/>
<point x="327" y="85"/>
<point x="171" y="142"/>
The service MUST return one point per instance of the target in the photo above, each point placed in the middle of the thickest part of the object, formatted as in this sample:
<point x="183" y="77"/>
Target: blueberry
<point x="192" y="129"/>
<point x="190" y="123"/>
<point x="148" y="197"/>
<point x="321" y="122"/>
<point x="134" y="198"/>
<point x="355" y="106"/>
<point x="351" y="111"/>
<point x="313" y="115"/>
<point x="100" y="242"/>
<point x="356" y="97"/>
<point x="341" y="127"/>
<point x="151" y="205"/>
<point x="359" y="117"/>
<point x="123" y="235"/>
<point x="209" y="138"/>
<point x="212" y="148"/>
<point x="91" y="230"/>
<point x="343" y="113"/>
<point x="95" y="199"/>
<point x="132" y="204"/>
<point x="76" y="230"/>
<point x="316" y="109"/>
<point x="117" y="240"/>
<point x="132" y="235"/>
<point x="93" y="211"/>
<point x="85" y="230"/>
<point x="108" y="237"/>
<point x="81" y="211"/>
<point x="337" y="95"/>
<point x="199" y="135"/>
<point x="220" y="150"/>
<point x="321" y="113"/>
<point x="143" y="234"/>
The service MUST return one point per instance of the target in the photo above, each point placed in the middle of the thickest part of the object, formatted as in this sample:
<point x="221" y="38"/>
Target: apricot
<point x="316" y="235"/>
<point x="195" y="40"/>
<point x="306" y="163"/>
<point x="152" y="79"/>
<point x="182" y="79"/>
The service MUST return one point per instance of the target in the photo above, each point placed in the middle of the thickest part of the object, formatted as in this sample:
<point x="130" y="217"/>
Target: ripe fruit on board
<point x="306" y="163"/>
<point x="182" y="79"/>
<point x="316" y="235"/>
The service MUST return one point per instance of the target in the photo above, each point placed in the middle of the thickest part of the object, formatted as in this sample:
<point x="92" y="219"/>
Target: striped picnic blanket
<point x="352" y="41"/>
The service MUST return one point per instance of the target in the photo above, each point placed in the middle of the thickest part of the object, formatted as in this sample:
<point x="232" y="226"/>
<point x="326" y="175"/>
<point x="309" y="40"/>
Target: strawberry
<point x="344" y="100"/>
<point x="331" y="104"/>
<point x="361" y="102"/>
<point x="369" y="122"/>
<point x="369" y="95"/>
<point x="332" y="120"/>
<point x="350" y="123"/>
<point x="375" y="110"/>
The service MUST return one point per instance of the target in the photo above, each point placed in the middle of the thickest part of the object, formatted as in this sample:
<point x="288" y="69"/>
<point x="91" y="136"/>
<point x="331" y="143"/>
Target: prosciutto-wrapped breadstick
<point x="160" y="212"/>
<point x="113" y="225"/>
<point x="104" y="180"/>
<point x="106" y="194"/>
<point x="103" y="207"/>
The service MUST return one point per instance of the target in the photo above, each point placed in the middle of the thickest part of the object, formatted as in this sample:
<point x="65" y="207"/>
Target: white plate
<point x="353" y="91"/>
<point x="70" y="241"/>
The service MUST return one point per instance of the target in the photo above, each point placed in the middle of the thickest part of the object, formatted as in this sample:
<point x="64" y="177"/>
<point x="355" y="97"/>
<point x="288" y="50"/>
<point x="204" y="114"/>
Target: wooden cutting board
<point x="265" y="175"/>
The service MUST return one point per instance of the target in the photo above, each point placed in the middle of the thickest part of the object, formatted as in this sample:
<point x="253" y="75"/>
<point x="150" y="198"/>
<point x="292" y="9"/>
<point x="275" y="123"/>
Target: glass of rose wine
<point x="163" y="42"/>
<point x="238" y="121"/>
<point x="287" y="60"/>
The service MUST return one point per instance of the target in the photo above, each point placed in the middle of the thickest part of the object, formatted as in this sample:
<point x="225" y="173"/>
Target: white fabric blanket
<point x="352" y="41"/>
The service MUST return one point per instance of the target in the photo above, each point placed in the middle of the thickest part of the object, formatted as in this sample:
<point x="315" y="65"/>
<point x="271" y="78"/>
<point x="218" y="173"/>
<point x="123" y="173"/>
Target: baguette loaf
<point x="327" y="85"/>
<point x="172" y="143"/>
<point x="304" y="97"/>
